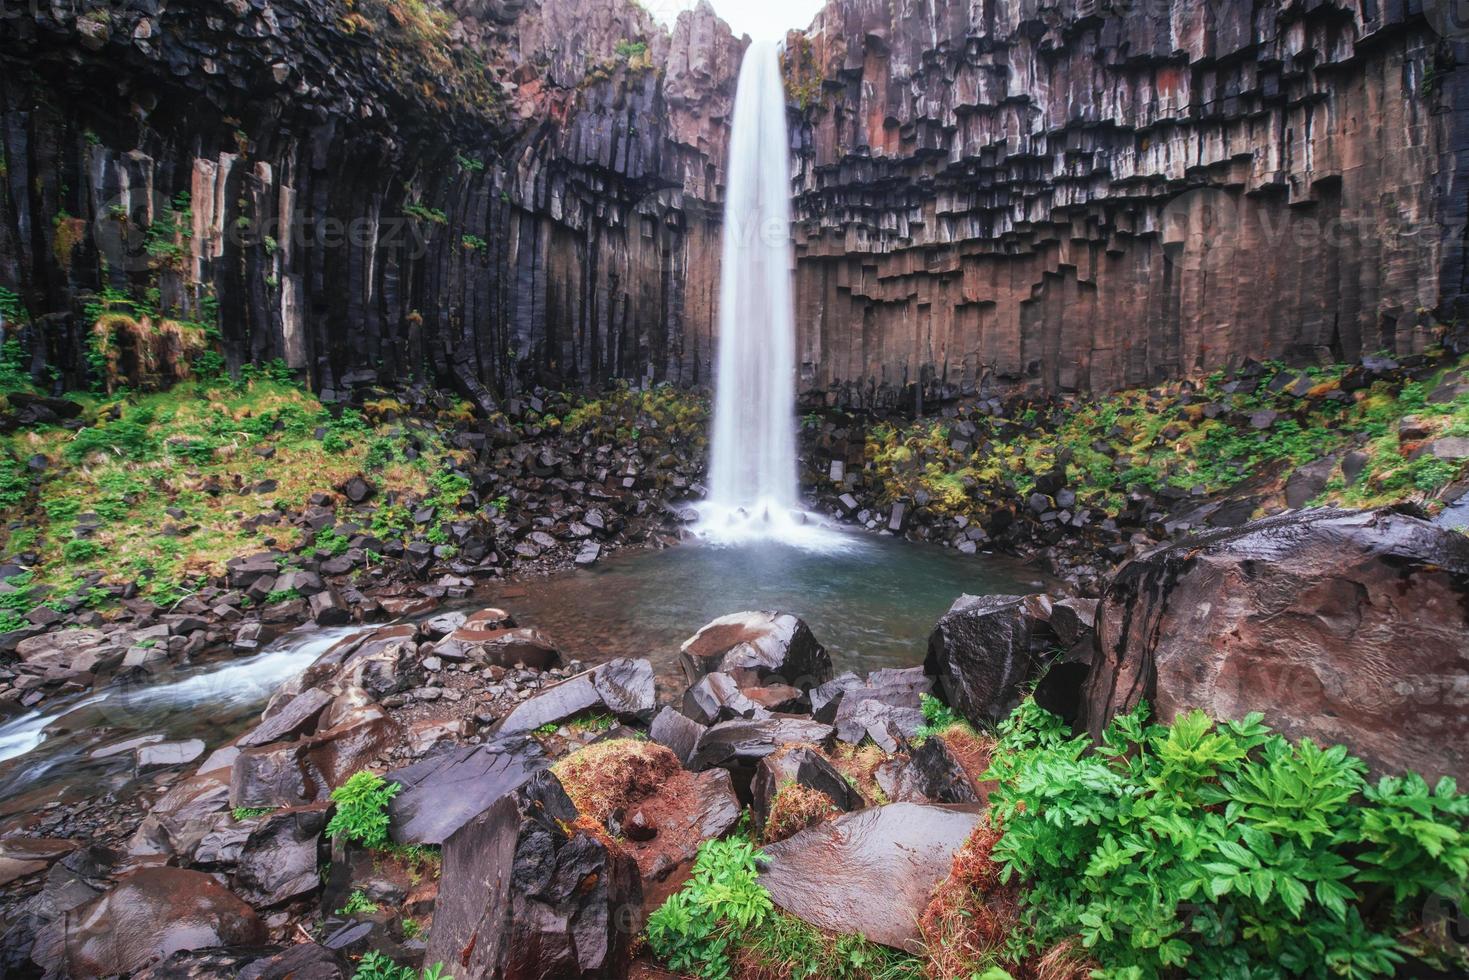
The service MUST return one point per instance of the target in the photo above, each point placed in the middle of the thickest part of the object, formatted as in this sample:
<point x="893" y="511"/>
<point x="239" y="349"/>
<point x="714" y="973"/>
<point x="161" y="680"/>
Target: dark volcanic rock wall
<point x="1090" y="195"/>
<point x="518" y="192"/>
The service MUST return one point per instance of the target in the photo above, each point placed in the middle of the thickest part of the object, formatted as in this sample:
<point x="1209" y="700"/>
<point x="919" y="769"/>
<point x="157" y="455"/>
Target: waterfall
<point x="753" y="481"/>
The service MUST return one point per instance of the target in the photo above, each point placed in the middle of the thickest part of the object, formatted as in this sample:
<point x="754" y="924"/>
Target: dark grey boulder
<point x="523" y="894"/>
<point x="676" y="732"/>
<point x="716" y="697"/>
<point x="280" y="859"/>
<point x="757" y="648"/>
<point x="623" y="687"/>
<point x="739" y="745"/>
<point x="443" y="792"/>
<point x="985" y="652"/>
<point x="296" y="718"/>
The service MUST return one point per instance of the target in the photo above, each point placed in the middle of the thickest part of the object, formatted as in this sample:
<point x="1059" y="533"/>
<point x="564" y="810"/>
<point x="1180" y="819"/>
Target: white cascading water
<point x="753" y="483"/>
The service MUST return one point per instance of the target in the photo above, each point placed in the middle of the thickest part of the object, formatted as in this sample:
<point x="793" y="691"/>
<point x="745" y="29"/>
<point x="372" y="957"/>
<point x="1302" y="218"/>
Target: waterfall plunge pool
<point x="872" y="601"/>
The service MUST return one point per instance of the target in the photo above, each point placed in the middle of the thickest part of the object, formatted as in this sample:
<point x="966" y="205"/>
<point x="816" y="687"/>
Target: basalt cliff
<point x="499" y="194"/>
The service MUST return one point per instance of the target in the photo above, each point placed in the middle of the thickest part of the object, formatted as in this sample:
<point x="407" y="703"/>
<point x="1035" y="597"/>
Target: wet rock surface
<point x="757" y="648"/>
<point x="524" y="897"/>
<point x="984" y="653"/>
<point x="825" y="875"/>
<point x="1343" y="627"/>
<point x="148" y="914"/>
<point x="443" y="792"/>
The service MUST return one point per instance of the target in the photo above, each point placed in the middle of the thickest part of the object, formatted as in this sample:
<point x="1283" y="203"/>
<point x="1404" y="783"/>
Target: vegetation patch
<point x="1206" y="436"/>
<point x="723" y="924"/>
<point x="795" y="808"/>
<point x="611" y="777"/>
<point x="1215" y="850"/>
<point x="362" y="809"/>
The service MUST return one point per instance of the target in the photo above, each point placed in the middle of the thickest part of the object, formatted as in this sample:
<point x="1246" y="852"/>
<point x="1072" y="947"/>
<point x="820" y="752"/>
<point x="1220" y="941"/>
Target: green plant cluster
<point x="1156" y="439"/>
<point x="377" y="966"/>
<point x="937" y="717"/>
<point x="724" y="912"/>
<point x="1218" y="850"/>
<point x="362" y="809"/>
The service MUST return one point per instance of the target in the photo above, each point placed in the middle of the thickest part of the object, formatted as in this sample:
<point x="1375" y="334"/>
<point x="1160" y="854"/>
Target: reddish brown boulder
<point x="147" y="916"/>
<point x="757" y="649"/>
<point x="1343" y="627"/>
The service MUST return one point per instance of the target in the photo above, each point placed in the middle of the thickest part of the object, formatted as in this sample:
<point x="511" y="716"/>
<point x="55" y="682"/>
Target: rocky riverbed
<point x="544" y="810"/>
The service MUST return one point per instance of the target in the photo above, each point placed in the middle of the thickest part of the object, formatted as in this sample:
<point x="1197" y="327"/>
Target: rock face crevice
<point x="1089" y="195"/>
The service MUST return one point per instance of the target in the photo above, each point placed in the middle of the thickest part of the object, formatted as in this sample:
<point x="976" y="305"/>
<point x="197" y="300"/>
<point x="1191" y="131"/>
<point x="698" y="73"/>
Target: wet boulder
<point x="943" y="769"/>
<point x="179" y="822"/>
<point x="986" y="650"/>
<point x="295" y="718"/>
<point x="801" y="766"/>
<point x="149" y="914"/>
<point x="622" y="687"/>
<point x="757" y="648"/>
<point x="739" y="745"/>
<point x="444" y="791"/>
<point x="870" y="872"/>
<point x="307" y="770"/>
<point x="524" y="892"/>
<point x="280" y="858"/>
<point x="1345" y="627"/>
<point x="716" y="697"/>
<point x="677" y="732"/>
<point x="500" y="648"/>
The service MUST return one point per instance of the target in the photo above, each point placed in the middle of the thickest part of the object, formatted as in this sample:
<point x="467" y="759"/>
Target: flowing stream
<point x="753" y="483"/>
<point x="73" y="741"/>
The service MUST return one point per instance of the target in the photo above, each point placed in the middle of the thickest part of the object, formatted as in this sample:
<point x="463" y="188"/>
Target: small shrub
<point x="694" y="930"/>
<point x="937" y="717"/>
<point x="376" y="966"/>
<point x="76" y="552"/>
<point x="610" y="776"/>
<point x="795" y="808"/>
<point x="362" y="809"/>
<point x="243" y="813"/>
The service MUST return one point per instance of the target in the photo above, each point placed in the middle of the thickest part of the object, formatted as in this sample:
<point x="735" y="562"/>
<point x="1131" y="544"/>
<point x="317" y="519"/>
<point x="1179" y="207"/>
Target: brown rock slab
<point x="1347" y="628"/>
<point x="149" y="914"/>
<point x="868" y="873"/>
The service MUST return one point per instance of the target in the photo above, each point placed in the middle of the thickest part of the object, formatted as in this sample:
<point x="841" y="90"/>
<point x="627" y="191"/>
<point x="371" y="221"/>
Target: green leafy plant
<point x="376" y="966"/>
<point x="693" y="931"/>
<point x="362" y="809"/>
<point x="422" y="213"/>
<point x="937" y="717"/>
<point x="1217" y="850"/>
<point x="243" y="813"/>
<point x="358" y="904"/>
